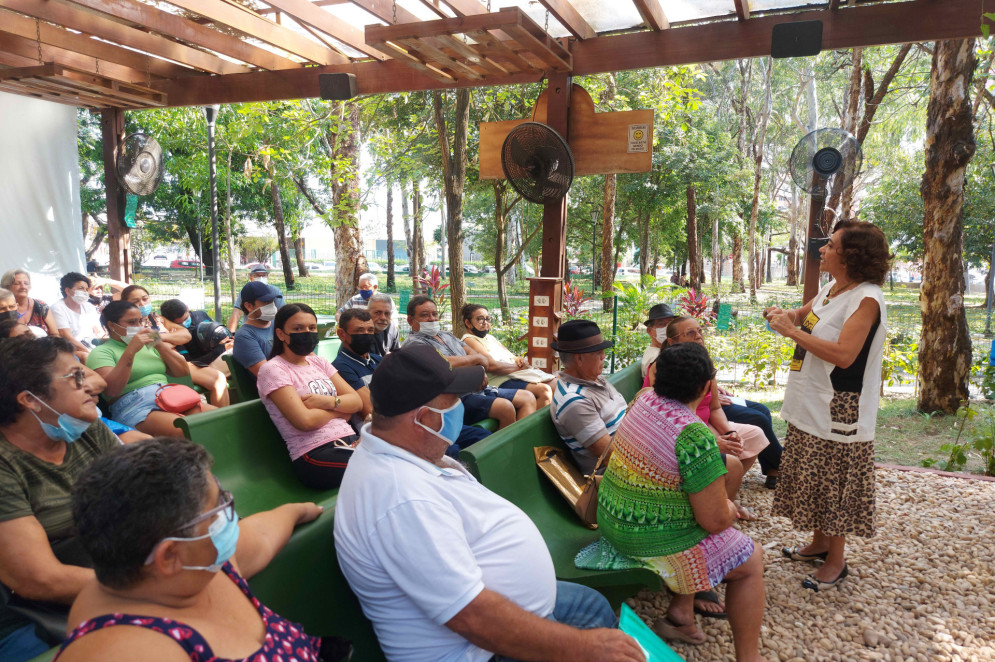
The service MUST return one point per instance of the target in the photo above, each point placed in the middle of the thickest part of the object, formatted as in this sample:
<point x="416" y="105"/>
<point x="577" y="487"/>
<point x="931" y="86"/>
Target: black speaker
<point x="796" y="39"/>
<point x="337" y="87"/>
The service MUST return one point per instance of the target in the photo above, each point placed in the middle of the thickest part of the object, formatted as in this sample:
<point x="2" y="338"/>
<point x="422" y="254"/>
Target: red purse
<point x="176" y="398"/>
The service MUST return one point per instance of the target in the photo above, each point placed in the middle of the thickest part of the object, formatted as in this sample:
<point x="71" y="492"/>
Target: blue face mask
<point x="145" y="310"/>
<point x="188" y="321"/>
<point x="223" y="533"/>
<point x="69" y="428"/>
<point x="452" y="422"/>
<point x="366" y="294"/>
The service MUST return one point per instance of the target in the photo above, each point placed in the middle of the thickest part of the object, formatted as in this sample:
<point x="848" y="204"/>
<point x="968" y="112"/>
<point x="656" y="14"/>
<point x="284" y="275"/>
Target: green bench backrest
<point x="245" y="381"/>
<point x="303" y="583"/>
<point x="328" y="349"/>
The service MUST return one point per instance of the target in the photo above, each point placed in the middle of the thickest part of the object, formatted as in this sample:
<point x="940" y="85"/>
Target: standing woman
<point x="33" y="312"/>
<point x="831" y="401"/>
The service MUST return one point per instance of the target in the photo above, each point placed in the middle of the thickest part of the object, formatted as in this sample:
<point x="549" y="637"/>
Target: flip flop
<point x="709" y="596"/>
<point x="667" y="629"/>
<point x="745" y="513"/>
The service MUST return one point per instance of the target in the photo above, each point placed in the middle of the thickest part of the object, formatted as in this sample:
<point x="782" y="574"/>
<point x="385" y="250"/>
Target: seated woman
<point x="743" y="441"/>
<point x="662" y="505"/>
<point x="159" y="527"/>
<point x="139" y="296"/>
<point x="49" y="433"/>
<point x="309" y="402"/>
<point x="8" y="306"/>
<point x="14" y="328"/>
<point x="135" y="362"/>
<point x="33" y="312"/>
<point x="205" y="362"/>
<point x="504" y="369"/>
<point x="76" y="318"/>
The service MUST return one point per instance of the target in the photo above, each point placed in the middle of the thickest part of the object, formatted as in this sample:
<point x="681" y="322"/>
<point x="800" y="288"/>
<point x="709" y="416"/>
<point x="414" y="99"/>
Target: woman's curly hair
<point x="864" y="251"/>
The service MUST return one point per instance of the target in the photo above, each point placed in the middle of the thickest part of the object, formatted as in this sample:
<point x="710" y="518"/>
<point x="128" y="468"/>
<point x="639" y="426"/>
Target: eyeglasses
<point x="691" y="333"/>
<point x="483" y="319"/>
<point x="225" y="501"/>
<point x="78" y="376"/>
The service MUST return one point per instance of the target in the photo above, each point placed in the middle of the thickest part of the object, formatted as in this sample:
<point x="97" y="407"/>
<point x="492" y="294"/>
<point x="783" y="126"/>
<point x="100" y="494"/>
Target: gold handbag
<point x="580" y="492"/>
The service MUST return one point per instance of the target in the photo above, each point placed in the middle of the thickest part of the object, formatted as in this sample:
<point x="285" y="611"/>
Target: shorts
<point x="134" y="407"/>
<point x="477" y="406"/>
<point x="514" y="384"/>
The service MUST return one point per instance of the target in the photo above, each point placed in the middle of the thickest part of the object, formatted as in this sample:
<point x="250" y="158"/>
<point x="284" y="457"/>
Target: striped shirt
<point x="583" y="412"/>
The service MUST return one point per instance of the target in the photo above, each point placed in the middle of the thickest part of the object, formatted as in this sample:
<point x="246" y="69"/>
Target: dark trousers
<point x="324" y="467"/>
<point x="757" y="414"/>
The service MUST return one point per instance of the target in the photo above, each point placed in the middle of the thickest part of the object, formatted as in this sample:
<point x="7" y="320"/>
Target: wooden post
<point x="812" y="256"/>
<point x="545" y="303"/>
<point x="118" y="237"/>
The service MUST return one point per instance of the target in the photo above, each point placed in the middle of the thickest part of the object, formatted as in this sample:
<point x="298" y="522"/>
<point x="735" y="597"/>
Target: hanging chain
<point x="148" y="71"/>
<point x="38" y="38"/>
<point x="96" y="61"/>
<point x="395" y="12"/>
<point x="488" y="6"/>
<point x="547" y="22"/>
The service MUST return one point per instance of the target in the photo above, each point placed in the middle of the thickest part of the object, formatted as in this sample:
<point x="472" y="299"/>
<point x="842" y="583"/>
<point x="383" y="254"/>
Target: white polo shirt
<point x="418" y="542"/>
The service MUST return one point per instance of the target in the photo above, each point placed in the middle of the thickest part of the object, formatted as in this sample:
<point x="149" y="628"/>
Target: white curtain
<point x="40" y="218"/>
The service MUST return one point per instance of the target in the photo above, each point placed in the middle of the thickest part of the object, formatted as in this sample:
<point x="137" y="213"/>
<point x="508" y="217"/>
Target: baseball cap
<point x="412" y="376"/>
<point x="259" y="269"/>
<point x="258" y="291"/>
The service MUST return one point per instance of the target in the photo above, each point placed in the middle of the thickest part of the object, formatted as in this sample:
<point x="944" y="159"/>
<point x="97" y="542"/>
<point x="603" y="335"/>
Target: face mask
<point x="661" y="334"/>
<point x="263" y="279"/>
<point x="361" y="343"/>
<point x="267" y="312"/>
<point x="223" y="533"/>
<point x="145" y="310"/>
<point x="303" y="343"/>
<point x="9" y="315"/>
<point x="187" y="322"/>
<point x="452" y="422"/>
<point x="69" y="428"/>
<point x="478" y="332"/>
<point x="429" y="328"/>
<point x="129" y="332"/>
<point x="366" y="294"/>
<point x="81" y="297"/>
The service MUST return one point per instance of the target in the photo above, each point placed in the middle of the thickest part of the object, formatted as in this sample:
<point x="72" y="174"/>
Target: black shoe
<point x="793" y="554"/>
<point x="335" y="649"/>
<point x="814" y="584"/>
<point x="771" y="482"/>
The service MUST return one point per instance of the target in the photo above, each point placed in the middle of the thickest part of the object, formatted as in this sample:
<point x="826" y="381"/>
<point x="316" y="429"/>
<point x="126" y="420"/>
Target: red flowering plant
<point x="432" y="279"/>
<point x="573" y="300"/>
<point x="695" y="304"/>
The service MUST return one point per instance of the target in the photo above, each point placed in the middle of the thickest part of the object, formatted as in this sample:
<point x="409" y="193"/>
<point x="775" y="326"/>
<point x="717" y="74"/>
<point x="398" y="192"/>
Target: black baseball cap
<point x="660" y="311"/>
<point x="258" y="291"/>
<point x="412" y="376"/>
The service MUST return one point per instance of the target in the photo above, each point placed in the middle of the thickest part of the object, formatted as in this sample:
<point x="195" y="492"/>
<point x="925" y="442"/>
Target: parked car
<point x="373" y="267"/>
<point x="404" y="269"/>
<point x="470" y="269"/>
<point x="314" y="266"/>
<point x="184" y="264"/>
<point x="157" y="261"/>
<point x="490" y="269"/>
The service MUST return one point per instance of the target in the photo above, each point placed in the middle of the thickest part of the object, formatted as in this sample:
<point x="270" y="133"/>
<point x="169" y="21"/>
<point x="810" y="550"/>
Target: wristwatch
<point x="338" y="401"/>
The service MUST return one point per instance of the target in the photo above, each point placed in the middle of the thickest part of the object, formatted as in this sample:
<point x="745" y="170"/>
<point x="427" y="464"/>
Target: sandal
<point x="814" y="584"/>
<point x="709" y="596"/>
<point x="667" y="629"/>
<point x="793" y="554"/>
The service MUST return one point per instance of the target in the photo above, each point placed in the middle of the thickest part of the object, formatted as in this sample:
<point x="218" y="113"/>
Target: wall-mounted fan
<point x="139" y="164"/>
<point x="537" y="162"/>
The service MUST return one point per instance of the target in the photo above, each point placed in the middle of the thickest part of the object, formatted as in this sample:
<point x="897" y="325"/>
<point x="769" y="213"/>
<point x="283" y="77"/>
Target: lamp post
<point x="210" y="114"/>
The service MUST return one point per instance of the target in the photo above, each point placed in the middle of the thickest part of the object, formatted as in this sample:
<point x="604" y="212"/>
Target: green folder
<point x="652" y="645"/>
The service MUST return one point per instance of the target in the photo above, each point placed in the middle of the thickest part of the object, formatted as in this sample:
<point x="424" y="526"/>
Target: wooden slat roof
<point x="149" y="53"/>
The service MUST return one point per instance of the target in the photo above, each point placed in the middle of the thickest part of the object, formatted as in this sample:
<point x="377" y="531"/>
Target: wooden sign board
<point x="602" y="143"/>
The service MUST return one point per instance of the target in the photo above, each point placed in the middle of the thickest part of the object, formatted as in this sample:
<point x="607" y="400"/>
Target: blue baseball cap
<point x="258" y="291"/>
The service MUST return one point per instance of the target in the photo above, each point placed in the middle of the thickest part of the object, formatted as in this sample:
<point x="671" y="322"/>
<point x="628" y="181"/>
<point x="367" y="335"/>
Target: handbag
<point x="176" y="398"/>
<point x="580" y="492"/>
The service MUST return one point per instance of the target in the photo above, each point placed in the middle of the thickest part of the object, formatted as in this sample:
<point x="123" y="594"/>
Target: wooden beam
<point x="864" y="25"/>
<point x="177" y="27"/>
<point x="27" y="53"/>
<point x="400" y="55"/>
<point x="104" y="28"/>
<point x="834" y="5"/>
<point x="27" y="28"/>
<point x="118" y="235"/>
<point x="743" y="10"/>
<point x="652" y="14"/>
<point x="262" y="29"/>
<point x="570" y="18"/>
<point x="433" y="55"/>
<point x="385" y="10"/>
<point x="44" y="95"/>
<point x="305" y="12"/>
<point x="459" y="7"/>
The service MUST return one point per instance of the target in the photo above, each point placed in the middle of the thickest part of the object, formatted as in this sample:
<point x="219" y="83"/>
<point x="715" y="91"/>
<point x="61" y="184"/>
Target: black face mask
<point x="361" y="343"/>
<point x="477" y="332"/>
<point x="303" y="343"/>
<point x="9" y="315"/>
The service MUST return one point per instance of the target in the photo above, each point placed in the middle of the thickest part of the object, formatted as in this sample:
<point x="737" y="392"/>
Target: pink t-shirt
<point x="315" y="377"/>
<point x="704" y="409"/>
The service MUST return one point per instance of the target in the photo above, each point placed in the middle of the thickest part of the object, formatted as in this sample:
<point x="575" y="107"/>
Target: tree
<point x="944" y="344"/>
<point x="390" y="237"/>
<point x="454" y="159"/>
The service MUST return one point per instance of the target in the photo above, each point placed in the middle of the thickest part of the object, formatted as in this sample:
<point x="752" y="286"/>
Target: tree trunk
<point x="417" y="234"/>
<point x="349" y="259"/>
<point x="716" y="257"/>
<point x="295" y="236"/>
<point x="793" y="240"/>
<point x="608" y="260"/>
<point x="390" y="237"/>
<point x="454" y="179"/>
<point x="281" y="233"/>
<point x="944" y="344"/>
<point x="501" y="228"/>
<point x="737" y="261"/>
<point x="852" y="110"/>
<point x="692" y="232"/>
<point x="229" y="242"/>
<point x="644" y="243"/>
<point x="758" y="156"/>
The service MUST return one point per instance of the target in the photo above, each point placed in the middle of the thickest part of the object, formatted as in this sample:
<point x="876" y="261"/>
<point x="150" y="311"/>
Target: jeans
<point x="468" y="436"/>
<point x="578" y="606"/>
<point x="757" y="414"/>
<point x="21" y="645"/>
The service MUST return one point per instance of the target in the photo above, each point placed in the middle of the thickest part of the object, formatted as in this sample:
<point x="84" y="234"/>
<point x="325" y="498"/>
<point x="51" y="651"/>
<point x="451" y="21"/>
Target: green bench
<point x="505" y="463"/>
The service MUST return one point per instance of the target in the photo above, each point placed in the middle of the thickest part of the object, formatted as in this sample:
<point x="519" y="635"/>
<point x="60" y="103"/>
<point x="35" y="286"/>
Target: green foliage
<point x="513" y="334"/>
<point x="635" y="300"/>
<point x="982" y="441"/>
<point x="762" y="352"/>
<point x="695" y="304"/>
<point x="573" y="300"/>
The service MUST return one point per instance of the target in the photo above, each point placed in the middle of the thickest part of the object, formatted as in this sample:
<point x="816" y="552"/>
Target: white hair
<point x="383" y="297"/>
<point x="369" y="278"/>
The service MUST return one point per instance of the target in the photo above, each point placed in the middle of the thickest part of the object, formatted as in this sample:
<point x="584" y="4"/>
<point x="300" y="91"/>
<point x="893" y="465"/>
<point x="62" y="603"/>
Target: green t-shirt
<point x="30" y="486"/>
<point x="147" y="367"/>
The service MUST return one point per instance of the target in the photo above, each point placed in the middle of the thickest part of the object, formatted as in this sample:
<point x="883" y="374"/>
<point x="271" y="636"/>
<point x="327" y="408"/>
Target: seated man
<point x="257" y="274"/>
<point x="443" y="567"/>
<point x="497" y="403"/>
<point x="385" y="334"/>
<point x="254" y="339"/>
<point x="367" y="288"/>
<point x="586" y="409"/>
<point x="357" y="361"/>
<point x="75" y="317"/>
<point x="656" y="327"/>
<point x="8" y="305"/>
<point x="206" y="367"/>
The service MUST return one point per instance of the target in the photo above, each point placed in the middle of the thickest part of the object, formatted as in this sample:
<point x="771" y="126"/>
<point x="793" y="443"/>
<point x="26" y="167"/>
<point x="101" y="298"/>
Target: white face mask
<point x="80" y="296"/>
<point x="267" y="312"/>
<point x="661" y="334"/>
<point x="430" y="328"/>
<point x="263" y="279"/>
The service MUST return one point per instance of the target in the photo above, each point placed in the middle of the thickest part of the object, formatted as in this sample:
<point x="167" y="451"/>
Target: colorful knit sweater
<point x="662" y="453"/>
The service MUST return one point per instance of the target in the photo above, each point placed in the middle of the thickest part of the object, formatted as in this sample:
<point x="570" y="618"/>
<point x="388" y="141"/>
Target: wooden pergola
<point x="115" y="55"/>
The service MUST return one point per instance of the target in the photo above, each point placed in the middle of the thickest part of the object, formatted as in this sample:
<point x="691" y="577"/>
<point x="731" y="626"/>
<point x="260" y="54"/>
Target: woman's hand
<point x="730" y="443"/>
<point x="772" y="310"/>
<point x="317" y="401"/>
<point x="309" y="512"/>
<point x="782" y="322"/>
<point x="144" y="337"/>
<point x="522" y="362"/>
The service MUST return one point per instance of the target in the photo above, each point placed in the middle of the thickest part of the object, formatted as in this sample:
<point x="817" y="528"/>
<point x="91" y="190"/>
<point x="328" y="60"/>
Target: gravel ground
<point x="921" y="590"/>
